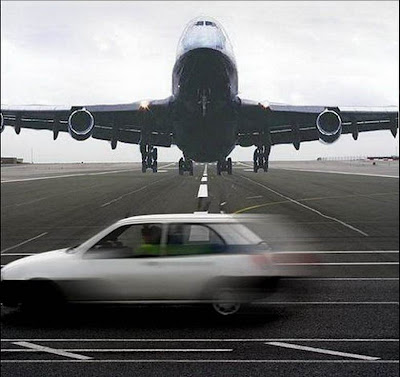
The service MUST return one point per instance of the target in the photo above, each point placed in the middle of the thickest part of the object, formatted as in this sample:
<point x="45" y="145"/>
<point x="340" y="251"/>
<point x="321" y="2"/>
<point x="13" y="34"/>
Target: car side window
<point x="129" y="241"/>
<point x="192" y="239"/>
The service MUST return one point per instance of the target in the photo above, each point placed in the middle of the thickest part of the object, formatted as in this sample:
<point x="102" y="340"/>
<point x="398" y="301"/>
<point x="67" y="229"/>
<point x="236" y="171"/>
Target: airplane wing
<point x="127" y="123"/>
<point x="261" y="124"/>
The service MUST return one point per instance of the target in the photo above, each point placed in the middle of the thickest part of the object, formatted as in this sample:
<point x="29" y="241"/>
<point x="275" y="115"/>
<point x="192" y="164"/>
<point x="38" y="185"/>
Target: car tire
<point x="226" y="302"/>
<point x="42" y="297"/>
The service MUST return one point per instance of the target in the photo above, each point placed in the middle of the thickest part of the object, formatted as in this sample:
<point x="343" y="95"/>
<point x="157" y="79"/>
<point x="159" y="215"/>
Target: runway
<point x="342" y="320"/>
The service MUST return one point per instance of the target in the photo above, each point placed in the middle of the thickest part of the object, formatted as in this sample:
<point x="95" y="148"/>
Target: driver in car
<point x="151" y="237"/>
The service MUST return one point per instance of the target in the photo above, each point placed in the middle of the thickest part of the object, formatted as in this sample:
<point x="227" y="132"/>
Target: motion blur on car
<point x="211" y="259"/>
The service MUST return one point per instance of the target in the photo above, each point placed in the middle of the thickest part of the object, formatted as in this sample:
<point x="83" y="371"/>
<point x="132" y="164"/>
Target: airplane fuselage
<point x="205" y="88"/>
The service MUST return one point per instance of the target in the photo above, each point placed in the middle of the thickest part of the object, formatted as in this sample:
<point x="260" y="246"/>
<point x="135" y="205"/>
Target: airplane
<point x="204" y="116"/>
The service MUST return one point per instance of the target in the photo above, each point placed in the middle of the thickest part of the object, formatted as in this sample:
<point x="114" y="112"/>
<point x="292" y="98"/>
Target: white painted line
<point x="130" y="193"/>
<point x="341" y="252"/>
<point x="340" y="172"/>
<point x="65" y="176"/>
<point x="329" y="303"/>
<point x="204" y="179"/>
<point x="343" y="279"/>
<point x="307" y="207"/>
<point x="323" y="351"/>
<point x="120" y="350"/>
<point x="225" y="361"/>
<point x="255" y="197"/>
<point x="205" y="170"/>
<point x="78" y="175"/>
<point x="17" y="254"/>
<point x="341" y="264"/>
<point x="200" y="212"/>
<point x="203" y="191"/>
<point x="24" y="242"/>
<point x="389" y="340"/>
<point x="51" y="350"/>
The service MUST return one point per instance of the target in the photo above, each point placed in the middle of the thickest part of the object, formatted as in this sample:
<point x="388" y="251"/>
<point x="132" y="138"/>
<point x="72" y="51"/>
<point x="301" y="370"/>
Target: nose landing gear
<point x="261" y="158"/>
<point x="185" y="165"/>
<point x="224" y="165"/>
<point x="149" y="158"/>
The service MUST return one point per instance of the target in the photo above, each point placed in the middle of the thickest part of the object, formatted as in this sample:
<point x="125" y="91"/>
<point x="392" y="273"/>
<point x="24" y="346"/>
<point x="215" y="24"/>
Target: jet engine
<point x="81" y="124"/>
<point x="329" y="125"/>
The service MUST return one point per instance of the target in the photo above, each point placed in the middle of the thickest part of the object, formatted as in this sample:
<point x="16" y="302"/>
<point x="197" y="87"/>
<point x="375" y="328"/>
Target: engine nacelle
<point x="81" y="124"/>
<point x="2" y="122"/>
<point x="329" y="125"/>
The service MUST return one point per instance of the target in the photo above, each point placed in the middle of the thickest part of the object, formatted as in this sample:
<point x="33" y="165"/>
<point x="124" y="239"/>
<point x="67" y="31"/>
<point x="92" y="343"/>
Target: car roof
<point x="184" y="217"/>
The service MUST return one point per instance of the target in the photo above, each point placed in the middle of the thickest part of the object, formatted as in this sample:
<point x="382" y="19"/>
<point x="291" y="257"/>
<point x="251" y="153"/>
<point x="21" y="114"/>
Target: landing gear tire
<point x="229" y="162"/>
<point x="149" y="158"/>
<point x="225" y="165"/>
<point x="191" y="168"/>
<point x="261" y="159"/>
<point x="218" y="168"/>
<point x="185" y="165"/>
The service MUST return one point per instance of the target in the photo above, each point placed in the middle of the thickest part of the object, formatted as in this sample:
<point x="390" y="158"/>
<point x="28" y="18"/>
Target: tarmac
<point x="341" y="321"/>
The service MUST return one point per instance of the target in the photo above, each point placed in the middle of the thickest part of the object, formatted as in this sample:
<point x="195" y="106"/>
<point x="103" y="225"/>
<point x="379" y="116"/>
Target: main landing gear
<point x="149" y="158"/>
<point x="260" y="158"/>
<point x="185" y="165"/>
<point x="224" y="165"/>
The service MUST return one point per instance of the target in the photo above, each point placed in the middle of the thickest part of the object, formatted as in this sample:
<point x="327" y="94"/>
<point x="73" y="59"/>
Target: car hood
<point x="32" y="260"/>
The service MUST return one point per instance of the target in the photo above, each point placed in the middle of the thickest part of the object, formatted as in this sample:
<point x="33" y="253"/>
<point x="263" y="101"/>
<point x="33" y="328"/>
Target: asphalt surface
<point x="341" y="321"/>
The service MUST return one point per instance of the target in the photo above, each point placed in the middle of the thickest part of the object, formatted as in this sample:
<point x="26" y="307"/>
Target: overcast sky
<point x="77" y="53"/>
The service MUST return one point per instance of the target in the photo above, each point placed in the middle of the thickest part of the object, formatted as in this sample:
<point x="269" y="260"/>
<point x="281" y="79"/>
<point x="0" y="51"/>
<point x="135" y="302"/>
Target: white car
<point x="187" y="258"/>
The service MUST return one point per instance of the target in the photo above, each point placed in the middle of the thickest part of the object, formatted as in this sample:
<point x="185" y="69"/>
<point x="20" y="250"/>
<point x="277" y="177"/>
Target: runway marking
<point x="388" y="340"/>
<point x="203" y="191"/>
<point x="342" y="279"/>
<point x="340" y="264"/>
<point x="306" y="207"/>
<point x="54" y="351"/>
<point x="131" y="192"/>
<point x="329" y="303"/>
<point x="236" y="361"/>
<point x="255" y="197"/>
<point x="316" y="199"/>
<point x="23" y="243"/>
<point x="76" y="175"/>
<point x="323" y="351"/>
<point x="67" y="350"/>
<point x="341" y="252"/>
<point x="65" y="176"/>
<point x="340" y="172"/>
<point x="17" y="254"/>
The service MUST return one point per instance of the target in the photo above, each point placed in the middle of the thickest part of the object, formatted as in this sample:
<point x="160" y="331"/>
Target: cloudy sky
<point x="76" y="53"/>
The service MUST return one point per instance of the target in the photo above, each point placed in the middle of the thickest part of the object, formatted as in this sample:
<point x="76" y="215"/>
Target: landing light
<point x="144" y="105"/>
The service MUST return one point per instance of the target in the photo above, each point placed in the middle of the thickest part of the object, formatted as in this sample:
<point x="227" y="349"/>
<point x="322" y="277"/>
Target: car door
<point x="123" y="266"/>
<point x="191" y="259"/>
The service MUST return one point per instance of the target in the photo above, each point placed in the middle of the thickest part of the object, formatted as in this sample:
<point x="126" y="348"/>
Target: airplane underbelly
<point x="206" y="140"/>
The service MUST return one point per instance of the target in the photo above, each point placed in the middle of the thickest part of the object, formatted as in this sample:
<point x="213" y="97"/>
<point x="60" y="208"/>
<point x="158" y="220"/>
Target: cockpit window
<point x="199" y="23"/>
<point x="209" y="23"/>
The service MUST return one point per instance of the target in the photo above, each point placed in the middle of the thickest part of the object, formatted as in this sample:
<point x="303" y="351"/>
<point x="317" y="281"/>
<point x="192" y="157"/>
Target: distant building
<point x="11" y="160"/>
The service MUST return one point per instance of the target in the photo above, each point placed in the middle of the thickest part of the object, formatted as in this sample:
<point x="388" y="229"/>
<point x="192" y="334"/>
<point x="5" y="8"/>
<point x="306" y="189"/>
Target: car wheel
<point x="42" y="297"/>
<point x="226" y="302"/>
